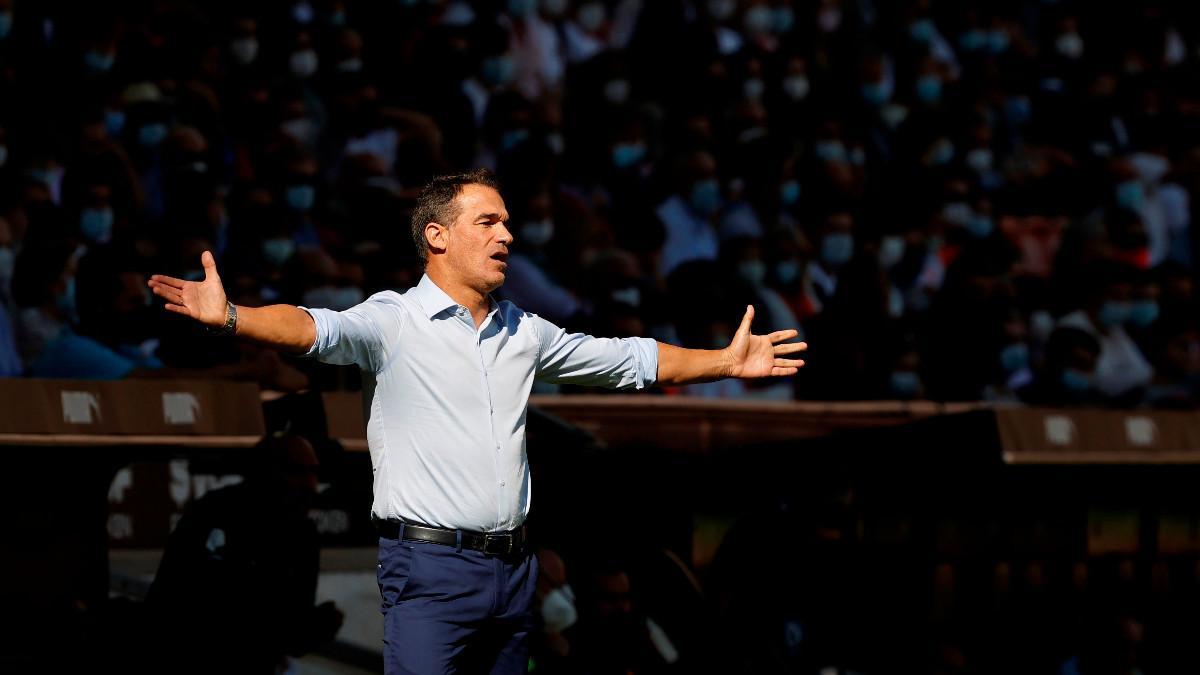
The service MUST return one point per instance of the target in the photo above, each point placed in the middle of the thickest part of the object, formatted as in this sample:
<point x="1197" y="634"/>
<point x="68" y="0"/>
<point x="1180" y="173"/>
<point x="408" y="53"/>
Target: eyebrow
<point x="490" y="216"/>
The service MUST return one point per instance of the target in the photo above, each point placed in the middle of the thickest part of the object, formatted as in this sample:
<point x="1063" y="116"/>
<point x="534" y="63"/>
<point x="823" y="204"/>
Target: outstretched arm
<point x="282" y="326"/>
<point x="747" y="356"/>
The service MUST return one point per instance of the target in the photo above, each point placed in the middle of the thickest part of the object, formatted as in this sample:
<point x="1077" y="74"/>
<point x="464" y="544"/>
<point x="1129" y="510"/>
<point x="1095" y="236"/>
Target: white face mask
<point x="538" y="233"/>
<point x="616" y="91"/>
<point x="891" y="250"/>
<point x="244" y="50"/>
<point x="754" y="88"/>
<point x="591" y="16"/>
<point x="303" y="63"/>
<point x="796" y="87"/>
<point x="558" y="609"/>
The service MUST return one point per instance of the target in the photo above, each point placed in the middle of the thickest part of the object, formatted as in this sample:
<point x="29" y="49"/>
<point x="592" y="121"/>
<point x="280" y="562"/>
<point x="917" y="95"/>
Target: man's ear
<point x="436" y="235"/>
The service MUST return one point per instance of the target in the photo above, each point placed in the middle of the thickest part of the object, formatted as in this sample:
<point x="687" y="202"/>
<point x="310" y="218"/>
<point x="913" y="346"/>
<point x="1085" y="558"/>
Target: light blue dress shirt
<point x="445" y="403"/>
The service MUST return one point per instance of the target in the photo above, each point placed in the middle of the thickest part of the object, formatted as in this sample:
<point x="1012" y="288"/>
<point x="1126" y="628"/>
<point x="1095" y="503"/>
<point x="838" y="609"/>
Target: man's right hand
<point x="203" y="301"/>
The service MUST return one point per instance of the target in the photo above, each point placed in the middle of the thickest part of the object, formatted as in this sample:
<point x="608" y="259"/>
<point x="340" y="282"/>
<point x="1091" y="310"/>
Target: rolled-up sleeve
<point x="576" y="358"/>
<point x="361" y="335"/>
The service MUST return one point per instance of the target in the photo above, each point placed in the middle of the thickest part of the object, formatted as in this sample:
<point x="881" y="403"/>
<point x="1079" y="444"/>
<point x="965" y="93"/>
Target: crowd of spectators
<point x="951" y="200"/>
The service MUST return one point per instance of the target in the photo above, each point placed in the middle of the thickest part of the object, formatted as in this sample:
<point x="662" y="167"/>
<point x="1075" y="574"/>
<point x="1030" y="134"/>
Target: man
<point x="447" y="375"/>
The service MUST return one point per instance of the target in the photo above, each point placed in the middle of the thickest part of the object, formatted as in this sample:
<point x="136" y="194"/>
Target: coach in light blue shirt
<point x="448" y="372"/>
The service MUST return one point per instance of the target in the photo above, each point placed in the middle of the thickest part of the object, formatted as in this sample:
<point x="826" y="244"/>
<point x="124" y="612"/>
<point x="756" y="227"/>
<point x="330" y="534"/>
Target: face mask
<point x="519" y="9"/>
<point x="337" y="18"/>
<point x="303" y="13"/>
<point x="631" y="296"/>
<point x="538" y="233"/>
<point x="99" y="62"/>
<point x="1076" y="380"/>
<point x="337" y="298"/>
<point x="979" y="159"/>
<point x="753" y="271"/>
<point x="96" y="225"/>
<point x="65" y="300"/>
<point x="350" y="66"/>
<point x="796" y="87"/>
<point x="837" y="248"/>
<point x="300" y="197"/>
<point x="244" y="50"/>
<point x="891" y="251"/>
<point x="753" y="88"/>
<point x="1018" y="110"/>
<point x="876" y="93"/>
<point x="498" y="70"/>
<point x="302" y="129"/>
<point x="625" y="155"/>
<point x="556" y="143"/>
<point x="5" y="24"/>
<point x="705" y="196"/>
<point x="921" y="30"/>
<point x="1114" y="313"/>
<point x="554" y="8"/>
<point x="8" y="259"/>
<point x="1070" y="45"/>
<point x="1014" y="357"/>
<point x="783" y="19"/>
<point x="789" y="192"/>
<point x="758" y="19"/>
<point x="997" y="41"/>
<point x="721" y="10"/>
<point x="3" y="155"/>
<point x="905" y="384"/>
<point x="973" y="40"/>
<point x="1131" y="194"/>
<point x="831" y="151"/>
<point x="512" y="138"/>
<point x="829" y="19"/>
<point x="893" y="115"/>
<point x="956" y="212"/>
<point x="1143" y="313"/>
<point x="1149" y="167"/>
<point x="616" y="91"/>
<point x="558" y="609"/>
<point x="787" y="271"/>
<point x="151" y="135"/>
<point x="303" y="63"/>
<point x="385" y="183"/>
<point x="929" y="88"/>
<point x="895" y="303"/>
<point x="278" y="250"/>
<point x="979" y="226"/>
<point x="591" y="16"/>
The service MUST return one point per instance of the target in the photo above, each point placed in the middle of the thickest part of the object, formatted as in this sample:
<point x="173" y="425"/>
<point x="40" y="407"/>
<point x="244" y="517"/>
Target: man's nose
<point x="505" y="235"/>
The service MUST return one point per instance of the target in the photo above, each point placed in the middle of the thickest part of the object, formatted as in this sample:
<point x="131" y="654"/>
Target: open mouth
<point x="501" y="257"/>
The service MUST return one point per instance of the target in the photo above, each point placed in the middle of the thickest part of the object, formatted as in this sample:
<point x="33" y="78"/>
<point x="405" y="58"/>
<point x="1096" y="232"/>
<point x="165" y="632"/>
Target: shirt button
<point x="501" y="483"/>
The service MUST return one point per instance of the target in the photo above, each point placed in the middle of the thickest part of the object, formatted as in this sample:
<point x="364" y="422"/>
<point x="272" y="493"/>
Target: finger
<point x="783" y="372"/>
<point x="178" y="309"/>
<point x="781" y="335"/>
<point x="788" y="363"/>
<point x="790" y="348"/>
<point x="169" y="294"/>
<point x="210" y="265"/>
<point x="158" y="279"/>
<point x="747" y="320"/>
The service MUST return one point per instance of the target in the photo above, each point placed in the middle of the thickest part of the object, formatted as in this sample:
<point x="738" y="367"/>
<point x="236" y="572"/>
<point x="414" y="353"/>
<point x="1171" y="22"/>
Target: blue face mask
<point x="789" y="192"/>
<point x="929" y="88"/>
<point x="705" y="196"/>
<point x="979" y="226"/>
<point x="875" y="93"/>
<point x="498" y="70"/>
<point x="837" y="248"/>
<point x="787" y="271"/>
<point x="519" y="9"/>
<point x="1131" y="194"/>
<point x="921" y="30"/>
<point x="114" y="122"/>
<point x="1018" y="110"/>
<point x="831" y="151"/>
<point x="783" y="19"/>
<point x="5" y="24"/>
<point x="1143" y="313"/>
<point x="1014" y="357"/>
<point x="625" y="155"/>
<point x="98" y="62"/>
<point x="1114" y="313"/>
<point x="150" y="135"/>
<point x="278" y="250"/>
<point x="753" y="271"/>
<point x="96" y="225"/>
<point x="1076" y="381"/>
<point x="512" y="138"/>
<point x="905" y="384"/>
<point x="997" y="41"/>
<point x="972" y="40"/>
<point x="300" y="197"/>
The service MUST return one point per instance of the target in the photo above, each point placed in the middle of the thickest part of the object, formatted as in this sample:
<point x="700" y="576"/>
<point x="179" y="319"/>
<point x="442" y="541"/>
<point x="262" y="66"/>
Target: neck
<point x="475" y="300"/>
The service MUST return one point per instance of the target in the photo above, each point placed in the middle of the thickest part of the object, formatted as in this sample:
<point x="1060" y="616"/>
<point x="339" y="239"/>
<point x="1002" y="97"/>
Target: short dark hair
<point x="435" y="203"/>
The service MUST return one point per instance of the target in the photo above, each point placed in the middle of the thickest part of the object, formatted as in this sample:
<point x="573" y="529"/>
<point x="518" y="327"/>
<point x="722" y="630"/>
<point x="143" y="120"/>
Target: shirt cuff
<point x="645" y="353"/>
<point x="328" y="330"/>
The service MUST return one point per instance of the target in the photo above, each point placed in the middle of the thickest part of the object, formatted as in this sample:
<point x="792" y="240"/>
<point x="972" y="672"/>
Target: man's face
<point x="476" y="245"/>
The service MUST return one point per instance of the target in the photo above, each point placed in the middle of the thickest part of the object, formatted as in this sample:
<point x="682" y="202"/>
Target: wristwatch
<point x="230" y="326"/>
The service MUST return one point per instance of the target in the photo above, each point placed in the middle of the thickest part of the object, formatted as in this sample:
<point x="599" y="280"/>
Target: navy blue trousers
<point x="451" y="611"/>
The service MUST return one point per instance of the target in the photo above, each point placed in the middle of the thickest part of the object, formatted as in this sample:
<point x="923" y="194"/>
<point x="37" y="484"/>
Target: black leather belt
<point x="489" y="543"/>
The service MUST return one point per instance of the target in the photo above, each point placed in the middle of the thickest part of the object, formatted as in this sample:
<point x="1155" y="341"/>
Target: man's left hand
<point x="752" y="355"/>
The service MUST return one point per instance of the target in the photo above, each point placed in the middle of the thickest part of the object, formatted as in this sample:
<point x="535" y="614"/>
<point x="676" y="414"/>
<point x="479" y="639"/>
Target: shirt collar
<point x="435" y="301"/>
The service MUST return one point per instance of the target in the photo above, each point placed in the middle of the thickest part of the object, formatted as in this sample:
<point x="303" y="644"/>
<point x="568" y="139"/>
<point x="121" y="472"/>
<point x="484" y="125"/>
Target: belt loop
<point x="400" y="537"/>
<point x="458" y="541"/>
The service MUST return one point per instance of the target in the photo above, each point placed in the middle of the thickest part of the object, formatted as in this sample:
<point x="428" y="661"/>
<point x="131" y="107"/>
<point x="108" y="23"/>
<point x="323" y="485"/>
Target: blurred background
<point x="977" y="213"/>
